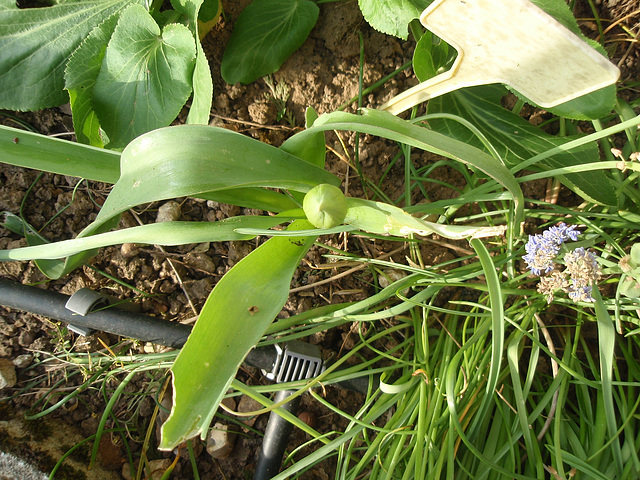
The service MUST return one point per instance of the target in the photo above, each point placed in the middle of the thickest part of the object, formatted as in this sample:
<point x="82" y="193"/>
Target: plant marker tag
<point x="512" y="42"/>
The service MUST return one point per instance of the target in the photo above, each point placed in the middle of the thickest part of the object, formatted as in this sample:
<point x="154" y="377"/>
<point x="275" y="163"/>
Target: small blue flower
<point x="561" y="233"/>
<point x="542" y="250"/>
<point x="581" y="294"/>
<point x="540" y="254"/>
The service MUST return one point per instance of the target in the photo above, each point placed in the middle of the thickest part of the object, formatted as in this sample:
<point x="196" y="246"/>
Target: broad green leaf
<point x="515" y="139"/>
<point x="40" y="152"/>
<point x="164" y="233"/>
<point x="8" y="5"/>
<point x="145" y="77"/>
<point x="431" y="56"/>
<point x="313" y="148"/>
<point x="234" y="318"/>
<point x="386" y="125"/>
<point x="196" y="160"/>
<point x="80" y="77"/>
<point x="35" y="44"/>
<point x="187" y="160"/>
<point x="266" y="33"/>
<point x="210" y="10"/>
<point x="202" y="82"/>
<point x="392" y="16"/>
<point x="592" y="106"/>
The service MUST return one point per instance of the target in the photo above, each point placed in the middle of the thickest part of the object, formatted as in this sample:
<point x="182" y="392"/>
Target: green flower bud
<point x="325" y="206"/>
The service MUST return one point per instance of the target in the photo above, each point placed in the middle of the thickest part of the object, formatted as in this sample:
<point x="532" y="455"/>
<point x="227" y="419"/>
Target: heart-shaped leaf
<point x="266" y="33"/>
<point x="145" y="77"/>
<point x="392" y="16"/>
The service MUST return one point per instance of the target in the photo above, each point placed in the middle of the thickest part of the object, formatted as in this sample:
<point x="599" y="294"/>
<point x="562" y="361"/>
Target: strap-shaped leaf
<point x="164" y="233"/>
<point x="234" y="318"/>
<point x="35" y="44"/>
<point x="40" y="152"/>
<point x="145" y="77"/>
<point x="266" y="33"/>
<point x="187" y="160"/>
<point x="516" y="139"/>
<point x="196" y="160"/>
<point x="385" y="125"/>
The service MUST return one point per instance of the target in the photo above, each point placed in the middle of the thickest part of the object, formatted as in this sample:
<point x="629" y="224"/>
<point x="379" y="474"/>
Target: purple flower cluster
<point x="581" y="270"/>
<point x="542" y="250"/>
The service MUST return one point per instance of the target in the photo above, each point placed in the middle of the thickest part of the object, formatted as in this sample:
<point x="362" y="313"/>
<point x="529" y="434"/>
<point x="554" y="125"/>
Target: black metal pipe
<point x="120" y="322"/>
<point x="171" y="334"/>
<point x="276" y="437"/>
<point x="112" y="320"/>
<point x="131" y="325"/>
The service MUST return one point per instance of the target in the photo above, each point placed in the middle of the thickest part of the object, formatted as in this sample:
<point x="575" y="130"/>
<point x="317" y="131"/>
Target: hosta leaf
<point x="516" y="140"/>
<point x="145" y="77"/>
<point x="266" y="33"/>
<point x="80" y="77"/>
<point x="35" y="44"/>
<point x="234" y="318"/>
<point x="201" y="81"/>
<point x="431" y="55"/>
<point x="392" y="16"/>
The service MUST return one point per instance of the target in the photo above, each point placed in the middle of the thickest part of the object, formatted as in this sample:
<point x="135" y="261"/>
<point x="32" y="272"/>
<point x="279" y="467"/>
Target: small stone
<point x="390" y="276"/>
<point x="23" y="361"/>
<point x="129" y="250"/>
<point x="262" y="113"/>
<point x="200" y="261"/>
<point x="169" y="212"/>
<point x="158" y="468"/>
<point x="246" y="405"/>
<point x="126" y="471"/>
<point x="200" y="289"/>
<point x="220" y="441"/>
<point x="8" y="376"/>
<point x="151" y="347"/>
<point x="308" y="417"/>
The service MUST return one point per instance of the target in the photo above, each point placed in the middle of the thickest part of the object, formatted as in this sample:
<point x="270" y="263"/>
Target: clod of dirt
<point x="246" y="405"/>
<point x="8" y="376"/>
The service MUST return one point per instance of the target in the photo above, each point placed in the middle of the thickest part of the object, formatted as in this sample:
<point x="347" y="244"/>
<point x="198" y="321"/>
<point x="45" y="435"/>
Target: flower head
<point x="542" y="250"/>
<point x="581" y="269"/>
<point x="541" y="254"/>
<point x="582" y="266"/>
<point x="581" y="294"/>
<point x="561" y="233"/>
<point x="549" y="284"/>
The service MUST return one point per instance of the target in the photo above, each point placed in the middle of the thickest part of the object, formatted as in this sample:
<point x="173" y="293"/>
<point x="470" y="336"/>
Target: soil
<point x="323" y="74"/>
